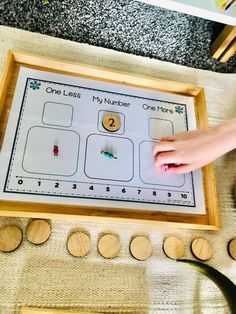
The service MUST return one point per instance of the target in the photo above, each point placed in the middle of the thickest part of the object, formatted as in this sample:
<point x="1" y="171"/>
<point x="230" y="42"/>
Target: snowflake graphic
<point x="179" y="110"/>
<point x="35" y="85"/>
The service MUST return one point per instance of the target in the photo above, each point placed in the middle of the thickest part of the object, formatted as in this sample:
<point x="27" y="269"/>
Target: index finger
<point x="162" y="146"/>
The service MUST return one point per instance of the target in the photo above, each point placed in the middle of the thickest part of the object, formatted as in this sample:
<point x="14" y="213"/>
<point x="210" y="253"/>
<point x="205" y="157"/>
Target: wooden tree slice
<point x="111" y="122"/>
<point x="232" y="248"/>
<point x="78" y="244"/>
<point x="10" y="238"/>
<point x="141" y="248"/>
<point x="38" y="231"/>
<point x="173" y="247"/>
<point x="109" y="245"/>
<point x="235" y="193"/>
<point x="201" y="249"/>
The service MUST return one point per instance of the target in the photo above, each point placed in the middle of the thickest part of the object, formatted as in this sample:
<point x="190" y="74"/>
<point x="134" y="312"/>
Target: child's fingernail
<point x="164" y="167"/>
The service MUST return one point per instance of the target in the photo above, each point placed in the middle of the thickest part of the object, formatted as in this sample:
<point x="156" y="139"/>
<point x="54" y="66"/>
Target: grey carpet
<point x="123" y="25"/>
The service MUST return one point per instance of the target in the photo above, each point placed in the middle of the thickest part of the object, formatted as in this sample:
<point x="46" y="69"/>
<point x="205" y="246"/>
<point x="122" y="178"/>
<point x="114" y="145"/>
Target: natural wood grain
<point x="229" y="52"/>
<point x="201" y="249"/>
<point x="10" y="238"/>
<point x="78" y="244"/>
<point x="109" y="245"/>
<point x="5" y="79"/>
<point x="232" y="248"/>
<point x="141" y="248"/>
<point x="38" y="231"/>
<point x="103" y="74"/>
<point x="210" y="221"/>
<point x="208" y="172"/>
<point x="34" y="310"/>
<point x="222" y="48"/>
<point x="173" y="247"/>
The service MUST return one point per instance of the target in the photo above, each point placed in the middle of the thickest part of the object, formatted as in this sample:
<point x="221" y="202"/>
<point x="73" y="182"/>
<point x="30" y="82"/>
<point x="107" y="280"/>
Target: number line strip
<point x="92" y="183"/>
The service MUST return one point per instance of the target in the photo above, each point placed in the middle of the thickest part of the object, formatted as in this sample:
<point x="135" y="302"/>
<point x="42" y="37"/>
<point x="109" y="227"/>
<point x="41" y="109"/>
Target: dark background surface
<point x="123" y="25"/>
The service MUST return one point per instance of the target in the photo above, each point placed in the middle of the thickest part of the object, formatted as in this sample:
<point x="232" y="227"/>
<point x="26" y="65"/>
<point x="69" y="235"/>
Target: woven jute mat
<point x="48" y="276"/>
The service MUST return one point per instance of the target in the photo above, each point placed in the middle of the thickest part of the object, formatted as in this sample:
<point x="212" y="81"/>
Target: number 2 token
<point x="111" y="122"/>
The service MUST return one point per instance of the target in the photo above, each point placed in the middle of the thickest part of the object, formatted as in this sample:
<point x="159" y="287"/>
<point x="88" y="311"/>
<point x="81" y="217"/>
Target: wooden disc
<point x="173" y="247"/>
<point x="201" y="249"/>
<point x="10" y="238"/>
<point x="109" y="245"/>
<point x="38" y="231"/>
<point x="78" y="244"/>
<point x="235" y="193"/>
<point x="232" y="248"/>
<point x="111" y="122"/>
<point x="141" y="248"/>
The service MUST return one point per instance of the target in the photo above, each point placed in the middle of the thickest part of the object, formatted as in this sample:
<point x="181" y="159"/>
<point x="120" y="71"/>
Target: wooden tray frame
<point x="210" y="221"/>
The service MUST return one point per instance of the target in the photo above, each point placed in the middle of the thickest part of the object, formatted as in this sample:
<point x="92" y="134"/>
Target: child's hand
<point x="188" y="151"/>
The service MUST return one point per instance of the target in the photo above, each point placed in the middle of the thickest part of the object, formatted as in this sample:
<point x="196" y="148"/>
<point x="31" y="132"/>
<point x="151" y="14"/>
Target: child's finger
<point x="168" y="138"/>
<point x="181" y="169"/>
<point x="162" y="147"/>
<point x="165" y="159"/>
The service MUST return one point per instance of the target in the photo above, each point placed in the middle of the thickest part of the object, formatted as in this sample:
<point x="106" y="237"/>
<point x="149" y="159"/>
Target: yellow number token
<point x="111" y="122"/>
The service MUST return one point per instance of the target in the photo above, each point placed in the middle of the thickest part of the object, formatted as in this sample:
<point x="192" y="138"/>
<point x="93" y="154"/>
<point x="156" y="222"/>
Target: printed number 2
<point x="112" y="122"/>
<point x="56" y="185"/>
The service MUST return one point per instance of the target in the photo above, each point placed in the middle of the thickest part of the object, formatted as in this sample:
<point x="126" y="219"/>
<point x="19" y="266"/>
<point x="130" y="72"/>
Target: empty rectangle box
<point x="57" y="114"/>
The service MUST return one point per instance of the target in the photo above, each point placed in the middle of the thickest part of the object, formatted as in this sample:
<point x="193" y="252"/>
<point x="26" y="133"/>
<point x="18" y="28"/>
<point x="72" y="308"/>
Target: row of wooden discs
<point x="78" y="243"/>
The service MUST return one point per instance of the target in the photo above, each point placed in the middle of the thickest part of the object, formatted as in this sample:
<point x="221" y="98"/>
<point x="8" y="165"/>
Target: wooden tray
<point x="15" y="60"/>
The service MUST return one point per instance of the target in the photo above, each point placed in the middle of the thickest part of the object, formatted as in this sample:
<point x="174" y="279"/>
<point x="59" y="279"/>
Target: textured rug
<point x="123" y="25"/>
<point x="47" y="276"/>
